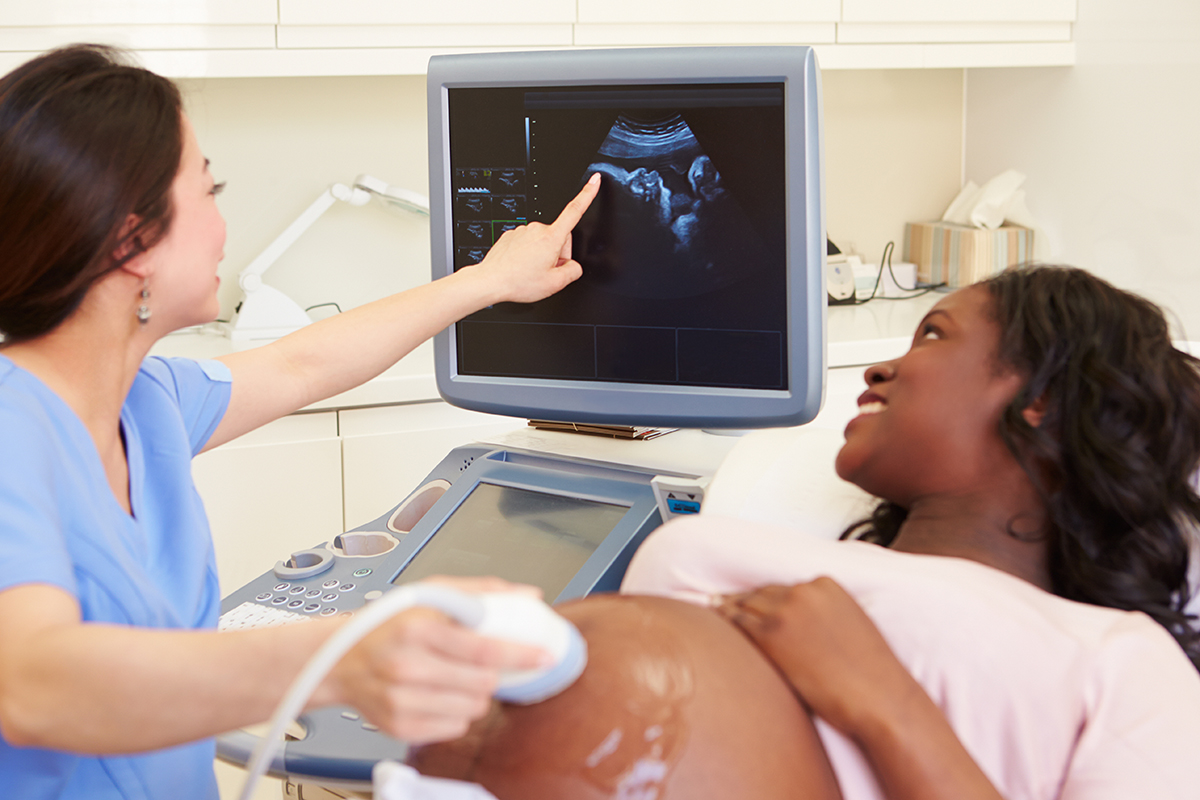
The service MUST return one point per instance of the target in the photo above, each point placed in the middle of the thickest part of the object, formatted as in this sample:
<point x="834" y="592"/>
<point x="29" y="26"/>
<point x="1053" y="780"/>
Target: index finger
<point x="573" y="211"/>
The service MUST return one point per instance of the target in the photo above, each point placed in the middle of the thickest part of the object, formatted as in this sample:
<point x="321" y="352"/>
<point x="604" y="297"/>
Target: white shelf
<point x="952" y="32"/>
<point x="320" y="37"/>
<point x="342" y="61"/>
<point x="34" y="39"/>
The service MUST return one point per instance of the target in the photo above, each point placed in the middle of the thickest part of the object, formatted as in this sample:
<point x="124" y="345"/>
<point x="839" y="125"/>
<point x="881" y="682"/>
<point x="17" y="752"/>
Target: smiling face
<point x="928" y="422"/>
<point x="183" y="280"/>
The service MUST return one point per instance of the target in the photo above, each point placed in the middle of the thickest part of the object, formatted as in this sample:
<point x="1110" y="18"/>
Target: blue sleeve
<point x="32" y="546"/>
<point x="200" y="388"/>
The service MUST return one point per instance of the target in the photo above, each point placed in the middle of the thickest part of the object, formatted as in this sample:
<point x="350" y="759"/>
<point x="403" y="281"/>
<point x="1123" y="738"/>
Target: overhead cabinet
<point x="69" y="13"/>
<point x="263" y="38"/>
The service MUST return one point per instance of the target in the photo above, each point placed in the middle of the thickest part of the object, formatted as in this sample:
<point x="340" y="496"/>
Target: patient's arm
<point x="839" y="662"/>
<point x="674" y="703"/>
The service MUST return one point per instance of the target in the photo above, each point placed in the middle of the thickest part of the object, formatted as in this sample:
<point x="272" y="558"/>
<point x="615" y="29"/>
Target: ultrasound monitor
<point x="702" y="301"/>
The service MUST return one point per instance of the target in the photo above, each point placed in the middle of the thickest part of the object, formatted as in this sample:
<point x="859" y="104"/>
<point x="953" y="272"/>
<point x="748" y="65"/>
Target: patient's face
<point x="929" y="420"/>
<point x="674" y="703"/>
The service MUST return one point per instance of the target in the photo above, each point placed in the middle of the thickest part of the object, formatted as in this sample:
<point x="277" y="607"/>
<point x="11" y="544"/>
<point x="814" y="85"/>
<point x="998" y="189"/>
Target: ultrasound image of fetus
<point x="664" y="224"/>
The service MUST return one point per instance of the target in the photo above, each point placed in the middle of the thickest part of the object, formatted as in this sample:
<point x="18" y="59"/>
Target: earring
<point x="143" y="312"/>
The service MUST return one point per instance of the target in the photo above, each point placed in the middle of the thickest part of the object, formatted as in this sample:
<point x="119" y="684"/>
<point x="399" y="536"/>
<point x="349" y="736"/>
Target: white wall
<point x="1110" y="147"/>
<point x="893" y="152"/>
<point x="279" y="143"/>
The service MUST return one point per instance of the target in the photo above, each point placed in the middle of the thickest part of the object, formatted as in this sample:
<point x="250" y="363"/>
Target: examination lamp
<point x="267" y="313"/>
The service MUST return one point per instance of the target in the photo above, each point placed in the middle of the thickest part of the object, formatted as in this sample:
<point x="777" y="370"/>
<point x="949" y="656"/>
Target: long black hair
<point x="87" y="143"/>
<point x="1117" y="450"/>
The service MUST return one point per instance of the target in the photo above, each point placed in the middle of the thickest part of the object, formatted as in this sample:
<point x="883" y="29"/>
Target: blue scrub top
<point x="61" y="525"/>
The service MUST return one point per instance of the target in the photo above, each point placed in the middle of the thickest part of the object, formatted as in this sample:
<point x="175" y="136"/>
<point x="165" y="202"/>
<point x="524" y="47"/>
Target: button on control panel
<point x="298" y="600"/>
<point x="256" y="615"/>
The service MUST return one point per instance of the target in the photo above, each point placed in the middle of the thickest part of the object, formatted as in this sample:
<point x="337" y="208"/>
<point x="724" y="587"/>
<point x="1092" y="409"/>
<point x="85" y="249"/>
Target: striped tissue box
<point x="957" y="255"/>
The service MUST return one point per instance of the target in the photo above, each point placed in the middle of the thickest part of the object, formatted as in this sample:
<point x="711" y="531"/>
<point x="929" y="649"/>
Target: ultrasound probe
<point x="513" y="616"/>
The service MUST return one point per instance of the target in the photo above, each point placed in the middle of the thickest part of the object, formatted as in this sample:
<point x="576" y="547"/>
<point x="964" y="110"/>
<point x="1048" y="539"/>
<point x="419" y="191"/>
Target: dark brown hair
<point x="1117" y="449"/>
<point x="87" y="143"/>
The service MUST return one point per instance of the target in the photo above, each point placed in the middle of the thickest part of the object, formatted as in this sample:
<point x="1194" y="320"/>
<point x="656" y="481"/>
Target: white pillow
<point x="785" y="476"/>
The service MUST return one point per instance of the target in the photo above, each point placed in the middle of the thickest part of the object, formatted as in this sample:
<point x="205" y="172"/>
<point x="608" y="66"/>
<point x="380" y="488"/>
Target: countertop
<point x="857" y="335"/>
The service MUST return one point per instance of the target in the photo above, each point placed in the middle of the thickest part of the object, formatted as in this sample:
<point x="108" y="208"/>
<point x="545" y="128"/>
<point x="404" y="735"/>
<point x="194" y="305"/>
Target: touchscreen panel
<point x="521" y="535"/>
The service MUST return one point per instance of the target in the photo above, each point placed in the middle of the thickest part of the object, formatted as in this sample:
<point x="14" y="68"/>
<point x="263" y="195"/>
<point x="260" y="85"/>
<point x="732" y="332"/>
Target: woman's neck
<point x="1006" y="535"/>
<point x="90" y="362"/>
<point x="91" y="372"/>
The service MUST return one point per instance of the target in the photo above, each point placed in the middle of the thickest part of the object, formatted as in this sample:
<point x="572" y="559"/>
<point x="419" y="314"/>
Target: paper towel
<point x="989" y="206"/>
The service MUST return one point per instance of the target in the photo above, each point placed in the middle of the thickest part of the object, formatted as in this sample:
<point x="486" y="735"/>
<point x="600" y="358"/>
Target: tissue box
<point x="957" y="255"/>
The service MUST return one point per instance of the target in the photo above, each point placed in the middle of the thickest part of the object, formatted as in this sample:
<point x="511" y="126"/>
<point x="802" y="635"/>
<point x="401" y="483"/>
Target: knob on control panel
<point x="304" y="564"/>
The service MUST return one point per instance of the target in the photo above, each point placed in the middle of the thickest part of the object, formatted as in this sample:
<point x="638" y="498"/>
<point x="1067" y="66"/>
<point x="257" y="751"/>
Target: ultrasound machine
<point x="701" y="306"/>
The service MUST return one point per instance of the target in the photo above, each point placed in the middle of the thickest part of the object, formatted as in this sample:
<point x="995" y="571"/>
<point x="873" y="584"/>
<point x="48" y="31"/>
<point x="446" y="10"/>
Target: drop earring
<point x="143" y="312"/>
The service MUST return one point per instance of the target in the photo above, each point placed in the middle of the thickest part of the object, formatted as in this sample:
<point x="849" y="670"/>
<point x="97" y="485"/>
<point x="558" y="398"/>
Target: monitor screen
<point x="522" y="535"/>
<point x="702" y="298"/>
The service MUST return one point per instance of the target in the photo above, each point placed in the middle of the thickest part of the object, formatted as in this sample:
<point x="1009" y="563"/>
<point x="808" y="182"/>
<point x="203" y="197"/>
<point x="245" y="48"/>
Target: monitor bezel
<point x="661" y="405"/>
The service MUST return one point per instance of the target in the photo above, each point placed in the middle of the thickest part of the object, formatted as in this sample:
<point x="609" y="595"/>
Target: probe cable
<point x="465" y="609"/>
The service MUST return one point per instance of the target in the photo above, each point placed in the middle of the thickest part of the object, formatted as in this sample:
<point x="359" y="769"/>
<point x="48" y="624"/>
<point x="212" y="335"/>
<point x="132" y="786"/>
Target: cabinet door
<point x="271" y="492"/>
<point x="387" y="451"/>
<point x="389" y="12"/>
<point x="958" y="10"/>
<point x="138" y="12"/>
<point x="684" y="12"/>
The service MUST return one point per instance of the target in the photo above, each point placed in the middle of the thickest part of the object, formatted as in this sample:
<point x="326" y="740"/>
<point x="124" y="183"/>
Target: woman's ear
<point x="129" y="251"/>
<point x="1035" y="411"/>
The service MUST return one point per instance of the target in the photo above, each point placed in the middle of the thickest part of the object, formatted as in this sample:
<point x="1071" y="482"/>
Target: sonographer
<point x="112" y="681"/>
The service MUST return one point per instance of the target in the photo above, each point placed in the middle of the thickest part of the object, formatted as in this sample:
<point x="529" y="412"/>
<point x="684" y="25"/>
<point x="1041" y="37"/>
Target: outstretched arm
<point x="85" y="687"/>
<point x="525" y="265"/>
<point x="843" y="670"/>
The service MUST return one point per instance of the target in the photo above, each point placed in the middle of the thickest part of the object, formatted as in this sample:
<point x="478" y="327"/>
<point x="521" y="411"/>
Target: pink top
<point x="1052" y="698"/>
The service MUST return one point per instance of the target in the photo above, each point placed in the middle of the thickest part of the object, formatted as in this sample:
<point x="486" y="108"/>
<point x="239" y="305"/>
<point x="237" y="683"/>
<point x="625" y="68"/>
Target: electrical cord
<point x="323" y="305"/>
<point x="885" y="262"/>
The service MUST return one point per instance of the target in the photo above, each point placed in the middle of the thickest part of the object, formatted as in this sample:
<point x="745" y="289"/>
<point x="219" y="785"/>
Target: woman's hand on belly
<point x="826" y="645"/>
<point x="844" y="671"/>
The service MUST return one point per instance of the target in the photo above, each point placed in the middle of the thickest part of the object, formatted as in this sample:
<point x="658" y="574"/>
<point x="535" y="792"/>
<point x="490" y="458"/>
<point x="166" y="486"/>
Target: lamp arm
<point x="408" y="200"/>
<point x="250" y="278"/>
<point x="266" y="312"/>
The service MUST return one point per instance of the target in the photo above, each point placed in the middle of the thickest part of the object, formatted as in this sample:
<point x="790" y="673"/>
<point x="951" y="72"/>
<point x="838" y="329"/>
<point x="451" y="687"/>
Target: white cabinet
<point x="389" y="12"/>
<point x="305" y="478"/>
<point x="138" y="12"/>
<point x="183" y="38"/>
<point x="267" y="38"/>
<point x="681" y="12"/>
<point x="681" y="22"/>
<point x="271" y="492"/>
<point x="958" y="10"/>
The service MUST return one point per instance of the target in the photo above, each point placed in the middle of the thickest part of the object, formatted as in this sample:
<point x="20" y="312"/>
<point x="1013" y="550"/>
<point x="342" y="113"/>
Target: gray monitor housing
<point x="722" y="148"/>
